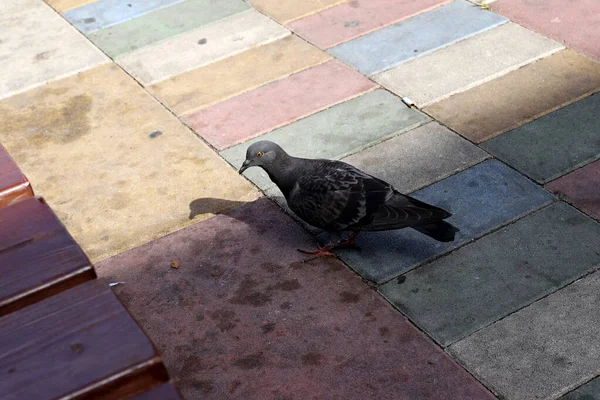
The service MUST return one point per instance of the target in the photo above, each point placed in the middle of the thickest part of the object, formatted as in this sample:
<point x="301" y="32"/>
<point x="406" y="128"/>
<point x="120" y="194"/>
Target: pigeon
<point x="337" y="197"/>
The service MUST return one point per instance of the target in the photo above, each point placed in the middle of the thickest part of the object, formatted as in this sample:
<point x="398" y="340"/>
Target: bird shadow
<point x="212" y="205"/>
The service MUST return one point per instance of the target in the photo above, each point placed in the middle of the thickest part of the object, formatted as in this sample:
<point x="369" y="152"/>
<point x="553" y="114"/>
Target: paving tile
<point x="116" y="167"/>
<point x="279" y="103"/>
<point x="163" y="392"/>
<point x="480" y="198"/>
<point x="248" y="320"/>
<point x="163" y="24"/>
<point x="80" y="343"/>
<point x="14" y="186"/>
<point x="397" y="43"/>
<point x="40" y="46"/>
<point x="467" y="64"/>
<point x="201" y="46"/>
<point x="65" y="5"/>
<point x="418" y="157"/>
<point x="105" y="13"/>
<point x="589" y="391"/>
<point x="581" y="187"/>
<point x="285" y="11"/>
<point x="237" y="74"/>
<point x="336" y="132"/>
<point x="519" y="96"/>
<point x="38" y="257"/>
<point x="482" y="282"/>
<point x="542" y="351"/>
<point x="575" y="24"/>
<point x="554" y="144"/>
<point x="353" y="19"/>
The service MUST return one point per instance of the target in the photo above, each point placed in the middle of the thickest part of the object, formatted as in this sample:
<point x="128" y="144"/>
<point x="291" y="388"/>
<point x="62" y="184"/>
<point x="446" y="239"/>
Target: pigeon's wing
<point x="335" y="195"/>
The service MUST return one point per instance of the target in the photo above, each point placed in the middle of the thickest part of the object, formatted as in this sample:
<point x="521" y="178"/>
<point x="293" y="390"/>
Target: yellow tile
<point x="216" y="82"/>
<point x="286" y="11"/>
<point x="65" y="5"/>
<point x="117" y="167"/>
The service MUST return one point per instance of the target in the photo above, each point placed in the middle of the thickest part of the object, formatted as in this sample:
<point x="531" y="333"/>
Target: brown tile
<point x="581" y="187"/>
<point x="519" y="97"/>
<point x="80" y="343"/>
<point x="14" y="186"/>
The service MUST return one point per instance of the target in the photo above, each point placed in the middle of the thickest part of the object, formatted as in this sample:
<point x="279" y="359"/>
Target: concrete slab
<point x="467" y="64"/>
<point x="64" y="5"/>
<point x="542" y="351"/>
<point x="554" y="144"/>
<point x="278" y="103"/>
<point x="219" y="81"/>
<point x="201" y="46"/>
<point x="581" y="187"/>
<point x="40" y="46"/>
<point x="337" y="132"/>
<point x="418" y="157"/>
<point x="398" y="43"/>
<point x="163" y="24"/>
<point x="353" y="19"/>
<point x="285" y="11"/>
<point x="105" y="13"/>
<point x="480" y="198"/>
<point x="576" y="25"/>
<point x="243" y="318"/>
<point x="116" y="167"/>
<point x="589" y="391"/>
<point x="482" y="282"/>
<point x="519" y="96"/>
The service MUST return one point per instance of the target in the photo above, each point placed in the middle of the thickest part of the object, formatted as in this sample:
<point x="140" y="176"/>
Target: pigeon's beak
<point x="245" y="166"/>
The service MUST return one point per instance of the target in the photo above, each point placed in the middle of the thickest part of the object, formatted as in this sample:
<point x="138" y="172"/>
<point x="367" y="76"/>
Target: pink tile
<point x="574" y="22"/>
<point x="581" y="187"/>
<point x="355" y="18"/>
<point x="243" y="318"/>
<point x="279" y="103"/>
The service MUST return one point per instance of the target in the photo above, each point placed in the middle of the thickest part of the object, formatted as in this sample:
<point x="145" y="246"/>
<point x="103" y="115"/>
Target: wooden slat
<point x="38" y="257"/>
<point x="14" y="186"/>
<point x="163" y="392"/>
<point x="79" y="344"/>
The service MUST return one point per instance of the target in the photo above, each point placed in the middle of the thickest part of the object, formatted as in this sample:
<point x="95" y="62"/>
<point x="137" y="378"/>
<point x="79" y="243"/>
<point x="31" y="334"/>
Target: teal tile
<point x="554" y="144"/>
<point x="163" y="24"/>
<point x="416" y="36"/>
<point x="589" y="391"/>
<point x="336" y="132"/>
<point x="104" y="13"/>
<point x="498" y="274"/>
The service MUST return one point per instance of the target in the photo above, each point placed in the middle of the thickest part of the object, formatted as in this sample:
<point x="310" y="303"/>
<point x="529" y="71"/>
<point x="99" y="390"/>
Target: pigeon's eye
<point x="259" y="154"/>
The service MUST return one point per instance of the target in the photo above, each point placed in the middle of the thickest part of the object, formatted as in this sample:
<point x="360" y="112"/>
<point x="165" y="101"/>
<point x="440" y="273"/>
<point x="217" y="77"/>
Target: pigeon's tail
<point x="441" y="231"/>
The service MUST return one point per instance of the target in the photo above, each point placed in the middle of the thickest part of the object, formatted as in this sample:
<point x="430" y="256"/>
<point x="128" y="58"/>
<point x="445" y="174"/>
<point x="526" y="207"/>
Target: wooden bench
<point x="63" y="333"/>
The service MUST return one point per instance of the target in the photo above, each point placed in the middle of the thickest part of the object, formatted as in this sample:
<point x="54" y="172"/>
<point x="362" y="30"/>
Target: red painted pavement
<point x="243" y="318"/>
<point x="581" y="187"/>
<point x="279" y="103"/>
<point x="574" y="22"/>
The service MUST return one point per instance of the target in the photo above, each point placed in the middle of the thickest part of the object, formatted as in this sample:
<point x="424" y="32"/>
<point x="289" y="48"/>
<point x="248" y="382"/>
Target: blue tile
<point x="415" y="37"/>
<point x="481" y="198"/>
<point x="104" y="13"/>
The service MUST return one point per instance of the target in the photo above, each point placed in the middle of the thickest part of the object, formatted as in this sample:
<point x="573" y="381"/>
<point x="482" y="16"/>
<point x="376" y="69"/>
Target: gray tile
<point x="335" y="132"/>
<point x="418" y="158"/>
<point x="543" y="350"/>
<point x="481" y="198"/>
<point x="554" y="144"/>
<point x="483" y="282"/>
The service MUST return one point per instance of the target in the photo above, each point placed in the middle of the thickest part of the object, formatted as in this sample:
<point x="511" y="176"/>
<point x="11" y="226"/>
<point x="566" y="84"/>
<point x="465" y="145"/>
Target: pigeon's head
<point x="262" y="154"/>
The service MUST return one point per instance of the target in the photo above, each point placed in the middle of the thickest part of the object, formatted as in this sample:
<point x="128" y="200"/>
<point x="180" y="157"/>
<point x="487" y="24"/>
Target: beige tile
<point x="519" y="97"/>
<point x="285" y="11"/>
<point x="219" y="81"/>
<point x="65" y="5"/>
<point x="117" y="168"/>
<point x="37" y="45"/>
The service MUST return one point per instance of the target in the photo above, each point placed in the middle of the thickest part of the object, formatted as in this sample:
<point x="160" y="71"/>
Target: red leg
<point x="326" y="250"/>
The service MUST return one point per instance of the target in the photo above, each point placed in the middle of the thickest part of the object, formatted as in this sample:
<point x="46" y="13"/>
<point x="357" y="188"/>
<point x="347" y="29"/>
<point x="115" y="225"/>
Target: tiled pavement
<point x="126" y="115"/>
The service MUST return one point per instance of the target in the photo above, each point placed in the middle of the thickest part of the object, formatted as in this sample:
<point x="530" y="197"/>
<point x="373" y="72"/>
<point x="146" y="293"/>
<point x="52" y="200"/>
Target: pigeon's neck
<point x="284" y="174"/>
